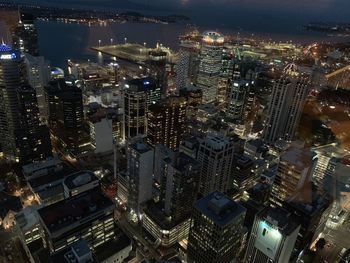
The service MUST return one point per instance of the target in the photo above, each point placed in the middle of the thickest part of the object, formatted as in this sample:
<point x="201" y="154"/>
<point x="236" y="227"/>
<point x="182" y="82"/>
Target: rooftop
<point x="141" y="84"/>
<point x="140" y="147"/>
<point x="154" y="211"/>
<point x="280" y="218"/>
<point x="50" y="178"/>
<point x="73" y="253"/>
<point x="108" y="249"/>
<point x="79" y="178"/>
<point x="219" y="208"/>
<point x="301" y="158"/>
<point x="68" y="211"/>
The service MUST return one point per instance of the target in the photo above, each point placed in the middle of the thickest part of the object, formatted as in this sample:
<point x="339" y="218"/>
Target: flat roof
<point x="141" y="147"/>
<point x="68" y="211"/>
<point x="108" y="249"/>
<point x="219" y="208"/>
<point x="79" y="178"/>
<point x="155" y="212"/>
<point x="80" y="248"/>
<point x="51" y="177"/>
<point x="281" y="218"/>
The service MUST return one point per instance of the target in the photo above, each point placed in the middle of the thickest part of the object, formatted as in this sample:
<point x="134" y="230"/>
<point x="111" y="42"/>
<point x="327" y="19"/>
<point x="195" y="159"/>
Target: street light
<point x="99" y="42"/>
<point x="111" y="41"/>
<point x="144" y="44"/>
<point x="125" y="39"/>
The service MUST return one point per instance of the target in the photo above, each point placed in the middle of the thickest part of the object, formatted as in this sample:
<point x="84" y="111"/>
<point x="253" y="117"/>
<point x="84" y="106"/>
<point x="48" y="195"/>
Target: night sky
<point x="276" y="16"/>
<point x="327" y="9"/>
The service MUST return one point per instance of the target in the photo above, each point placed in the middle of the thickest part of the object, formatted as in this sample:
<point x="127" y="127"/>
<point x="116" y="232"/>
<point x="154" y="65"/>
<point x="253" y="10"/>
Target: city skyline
<point x="143" y="137"/>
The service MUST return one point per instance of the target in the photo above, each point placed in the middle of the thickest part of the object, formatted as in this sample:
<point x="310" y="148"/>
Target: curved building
<point x="210" y="64"/>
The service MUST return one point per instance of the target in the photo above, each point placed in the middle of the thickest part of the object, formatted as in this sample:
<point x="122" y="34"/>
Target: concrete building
<point x="101" y="132"/>
<point x="38" y="70"/>
<point x="215" y="155"/>
<point x="273" y="237"/>
<point x="187" y="64"/>
<point x="327" y="157"/>
<point x="216" y="230"/>
<point x="294" y="173"/>
<point x="66" y="116"/>
<point x="244" y="173"/>
<point x="78" y="252"/>
<point x="88" y="216"/>
<point x="289" y="93"/>
<point x="79" y="182"/>
<point x="140" y="171"/>
<point x="210" y="65"/>
<point x="22" y="138"/>
<point x="166" y="122"/>
<point x="237" y="99"/>
<point x="138" y="95"/>
<point x="26" y="35"/>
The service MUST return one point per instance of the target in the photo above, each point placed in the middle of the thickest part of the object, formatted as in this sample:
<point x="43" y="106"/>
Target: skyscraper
<point x="12" y="76"/>
<point x="186" y="66"/>
<point x="226" y="74"/>
<point x="169" y="219"/>
<point x="216" y="230"/>
<point x="166" y="122"/>
<point x="215" y="155"/>
<point x="236" y="100"/>
<point x="26" y="35"/>
<point x="33" y="138"/>
<point x="38" y="70"/>
<point x="139" y="94"/>
<point x="273" y="237"/>
<point x="288" y="97"/>
<point x="65" y="115"/>
<point x="210" y="65"/>
<point x="22" y="138"/>
<point x="294" y="174"/>
<point x="140" y="170"/>
<point x="179" y="186"/>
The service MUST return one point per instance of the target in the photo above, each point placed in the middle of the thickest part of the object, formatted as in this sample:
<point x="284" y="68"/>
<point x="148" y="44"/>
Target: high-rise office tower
<point x="157" y="64"/>
<point x="216" y="230"/>
<point x="215" y="155"/>
<point x="210" y="65"/>
<point x="166" y="122"/>
<point x="33" y="138"/>
<point x="65" y="115"/>
<point x="139" y="94"/>
<point x="288" y="97"/>
<point x="26" y="35"/>
<point x="140" y="170"/>
<point x="244" y="174"/>
<point x="226" y="74"/>
<point x="169" y="219"/>
<point x="236" y="100"/>
<point x="38" y="70"/>
<point x="273" y="237"/>
<point x="179" y="185"/>
<point x="294" y="174"/>
<point x="327" y="158"/>
<point x="12" y="76"/>
<point x="187" y="64"/>
<point x="309" y="208"/>
<point x="22" y="137"/>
